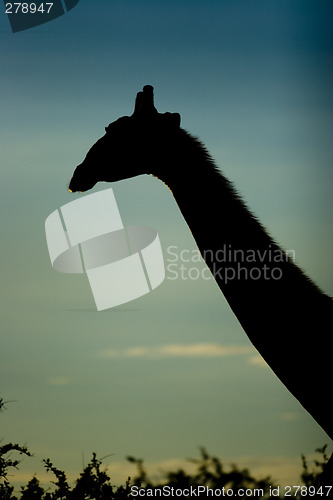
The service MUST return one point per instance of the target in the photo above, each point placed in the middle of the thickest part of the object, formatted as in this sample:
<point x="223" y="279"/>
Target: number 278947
<point x="28" y="8"/>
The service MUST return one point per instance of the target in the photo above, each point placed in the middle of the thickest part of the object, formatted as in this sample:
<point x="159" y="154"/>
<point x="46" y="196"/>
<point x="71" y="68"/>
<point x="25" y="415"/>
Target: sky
<point x="171" y="371"/>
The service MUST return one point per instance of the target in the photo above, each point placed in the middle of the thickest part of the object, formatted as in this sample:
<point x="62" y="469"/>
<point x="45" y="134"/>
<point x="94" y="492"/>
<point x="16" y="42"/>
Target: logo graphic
<point x="87" y="236"/>
<point x="23" y="16"/>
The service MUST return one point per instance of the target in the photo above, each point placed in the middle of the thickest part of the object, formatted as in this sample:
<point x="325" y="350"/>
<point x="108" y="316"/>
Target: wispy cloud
<point x="58" y="381"/>
<point x="202" y="350"/>
<point x="257" y="360"/>
<point x="284" y="469"/>
<point x="290" y="416"/>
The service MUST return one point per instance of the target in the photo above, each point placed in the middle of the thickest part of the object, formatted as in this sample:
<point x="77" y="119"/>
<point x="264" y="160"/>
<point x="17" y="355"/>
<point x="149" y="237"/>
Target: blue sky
<point x="253" y="80"/>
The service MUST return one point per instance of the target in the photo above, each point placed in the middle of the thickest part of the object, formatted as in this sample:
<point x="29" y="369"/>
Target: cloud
<point x="258" y="361"/>
<point x="58" y="381"/>
<point x="289" y="416"/>
<point x="284" y="469"/>
<point x="199" y="350"/>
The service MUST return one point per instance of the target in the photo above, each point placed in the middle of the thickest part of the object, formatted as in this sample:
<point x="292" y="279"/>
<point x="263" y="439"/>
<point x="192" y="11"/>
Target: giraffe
<point x="284" y="314"/>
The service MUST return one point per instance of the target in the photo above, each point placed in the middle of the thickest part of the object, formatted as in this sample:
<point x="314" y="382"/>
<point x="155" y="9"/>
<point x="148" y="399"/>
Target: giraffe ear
<point x="172" y="118"/>
<point x="176" y="119"/>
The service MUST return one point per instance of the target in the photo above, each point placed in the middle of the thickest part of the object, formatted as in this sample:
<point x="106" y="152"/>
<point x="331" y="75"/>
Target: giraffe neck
<point x="283" y="312"/>
<point x="236" y="247"/>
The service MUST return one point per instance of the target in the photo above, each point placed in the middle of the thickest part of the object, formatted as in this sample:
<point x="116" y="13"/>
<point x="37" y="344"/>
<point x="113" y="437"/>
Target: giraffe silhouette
<point x="285" y="315"/>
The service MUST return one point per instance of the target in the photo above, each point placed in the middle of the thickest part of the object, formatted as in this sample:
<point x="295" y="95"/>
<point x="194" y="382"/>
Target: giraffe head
<point x="131" y="146"/>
